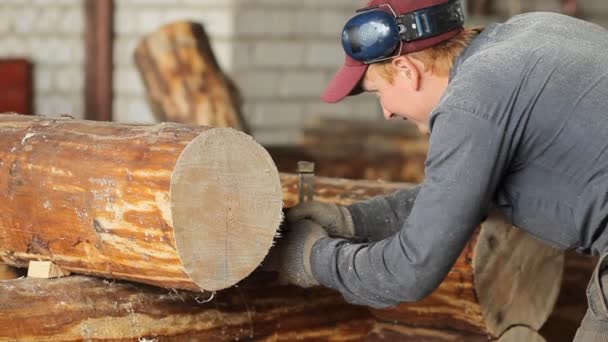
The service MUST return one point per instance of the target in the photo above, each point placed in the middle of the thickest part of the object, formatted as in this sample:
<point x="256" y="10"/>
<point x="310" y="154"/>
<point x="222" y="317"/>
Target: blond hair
<point x="437" y="59"/>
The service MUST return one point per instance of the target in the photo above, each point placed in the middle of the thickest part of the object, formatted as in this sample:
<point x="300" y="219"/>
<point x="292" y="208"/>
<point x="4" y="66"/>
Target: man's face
<point x="412" y="95"/>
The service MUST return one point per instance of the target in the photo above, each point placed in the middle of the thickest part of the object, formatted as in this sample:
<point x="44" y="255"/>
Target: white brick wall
<point x="280" y="53"/>
<point x="51" y="35"/>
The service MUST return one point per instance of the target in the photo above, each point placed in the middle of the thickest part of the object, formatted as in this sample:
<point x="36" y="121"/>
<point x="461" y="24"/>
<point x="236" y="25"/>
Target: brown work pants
<point x="594" y="326"/>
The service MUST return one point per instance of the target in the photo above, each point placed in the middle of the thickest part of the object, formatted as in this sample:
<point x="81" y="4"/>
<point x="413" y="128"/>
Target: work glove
<point x="290" y="257"/>
<point x="335" y="219"/>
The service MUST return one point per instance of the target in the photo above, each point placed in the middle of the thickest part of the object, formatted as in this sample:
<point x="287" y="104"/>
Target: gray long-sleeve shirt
<point x="523" y="125"/>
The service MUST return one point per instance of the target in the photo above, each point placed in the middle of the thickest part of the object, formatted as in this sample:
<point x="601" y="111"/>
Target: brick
<point x="149" y="21"/>
<point x="332" y="22"/>
<point x="25" y="20"/>
<point x="72" y="21"/>
<point x="63" y="3"/>
<point x="223" y="51"/>
<point x="12" y="46"/>
<point x="278" y="54"/>
<point x="307" y="23"/>
<point x="54" y="105"/>
<point x="260" y="22"/>
<point x="124" y="49"/>
<point x="48" y="20"/>
<point x="125" y="22"/>
<point x="257" y="84"/>
<point x="277" y="115"/>
<point x="147" y="3"/>
<point x="68" y="80"/>
<point x="136" y="110"/>
<point x="211" y="3"/>
<point x="302" y="83"/>
<point x="325" y="54"/>
<point x="7" y="16"/>
<point x="43" y="79"/>
<point x="128" y="81"/>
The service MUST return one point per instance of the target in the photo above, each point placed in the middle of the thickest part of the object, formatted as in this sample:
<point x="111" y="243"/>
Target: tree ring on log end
<point x="226" y="206"/>
<point x="517" y="277"/>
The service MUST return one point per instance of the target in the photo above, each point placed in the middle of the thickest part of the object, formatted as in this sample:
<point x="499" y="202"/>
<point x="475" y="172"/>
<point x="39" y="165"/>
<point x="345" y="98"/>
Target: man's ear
<point x="408" y="68"/>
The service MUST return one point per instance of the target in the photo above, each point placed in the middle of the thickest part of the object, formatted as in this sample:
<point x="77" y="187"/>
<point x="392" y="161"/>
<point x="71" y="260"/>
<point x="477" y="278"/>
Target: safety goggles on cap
<point x="378" y="33"/>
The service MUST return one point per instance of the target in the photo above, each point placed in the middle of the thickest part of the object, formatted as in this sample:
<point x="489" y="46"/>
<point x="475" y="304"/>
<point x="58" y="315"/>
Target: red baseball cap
<point x="345" y="82"/>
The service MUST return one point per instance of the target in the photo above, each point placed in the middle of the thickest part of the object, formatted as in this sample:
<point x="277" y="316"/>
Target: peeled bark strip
<point x="503" y="277"/>
<point x="81" y="308"/>
<point x="170" y="205"/>
<point x="183" y="79"/>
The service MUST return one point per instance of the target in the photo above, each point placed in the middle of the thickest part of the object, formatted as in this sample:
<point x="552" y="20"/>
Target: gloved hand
<point x="291" y="254"/>
<point x="336" y="220"/>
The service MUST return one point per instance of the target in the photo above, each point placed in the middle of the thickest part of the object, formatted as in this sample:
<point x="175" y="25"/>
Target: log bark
<point x="503" y="277"/>
<point x="80" y="308"/>
<point x="169" y="205"/>
<point x="183" y="80"/>
<point x="7" y="272"/>
<point x="391" y="332"/>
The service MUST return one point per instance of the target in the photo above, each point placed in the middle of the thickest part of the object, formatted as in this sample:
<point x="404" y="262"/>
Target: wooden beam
<point x="480" y="294"/>
<point x="80" y="308"/>
<point x="170" y="205"/>
<point x="99" y="37"/>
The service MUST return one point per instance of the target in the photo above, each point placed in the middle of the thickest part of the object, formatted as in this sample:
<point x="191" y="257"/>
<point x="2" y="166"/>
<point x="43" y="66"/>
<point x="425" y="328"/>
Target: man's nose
<point x="387" y="114"/>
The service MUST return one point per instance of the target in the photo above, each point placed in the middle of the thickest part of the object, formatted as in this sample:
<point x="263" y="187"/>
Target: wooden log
<point x="183" y="80"/>
<point x="170" y="205"/>
<point x="80" y="308"/>
<point x="572" y="301"/>
<point x="7" y="272"/>
<point x="390" y="332"/>
<point x="354" y="166"/>
<point x="357" y="149"/>
<point x="503" y="277"/>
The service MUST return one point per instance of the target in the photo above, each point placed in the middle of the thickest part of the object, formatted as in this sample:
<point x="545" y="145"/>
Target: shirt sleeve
<point x="467" y="158"/>
<point x="379" y="217"/>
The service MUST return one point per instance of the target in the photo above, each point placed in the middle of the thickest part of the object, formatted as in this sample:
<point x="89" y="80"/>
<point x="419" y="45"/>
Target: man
<point x="518" y="118"/>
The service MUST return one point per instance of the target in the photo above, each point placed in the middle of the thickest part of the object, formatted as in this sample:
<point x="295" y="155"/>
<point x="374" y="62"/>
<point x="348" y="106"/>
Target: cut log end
<point x="228" y="187"/>
<point x="517" y="277"/>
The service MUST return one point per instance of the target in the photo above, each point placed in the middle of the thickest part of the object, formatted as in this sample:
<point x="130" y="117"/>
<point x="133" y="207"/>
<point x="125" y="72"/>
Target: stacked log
<point x="81" y="308"/>
<point x="480" y="294"/>
<point x="183" y="80"/>
<point x="390" y="151"/>
<point x="258" y="308"/>
<point x="7" y="272"/>
<point x="170" y="205"/>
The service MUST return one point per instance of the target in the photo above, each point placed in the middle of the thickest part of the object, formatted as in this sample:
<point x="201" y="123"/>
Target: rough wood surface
<point x="475" y="296"/>
<point x="572" y="301"/>
<point x="84" y="308"/>
<point x="354" y="149"/>
<point x="45" y="270"/>
<point x="183" y="80"/>
<point x="170" y="205"/>
<point x="7" y="272"/>
<point x="392" y="332"/>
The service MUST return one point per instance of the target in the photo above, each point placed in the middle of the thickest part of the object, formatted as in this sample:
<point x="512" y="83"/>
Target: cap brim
<point x="343" y="83"/>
